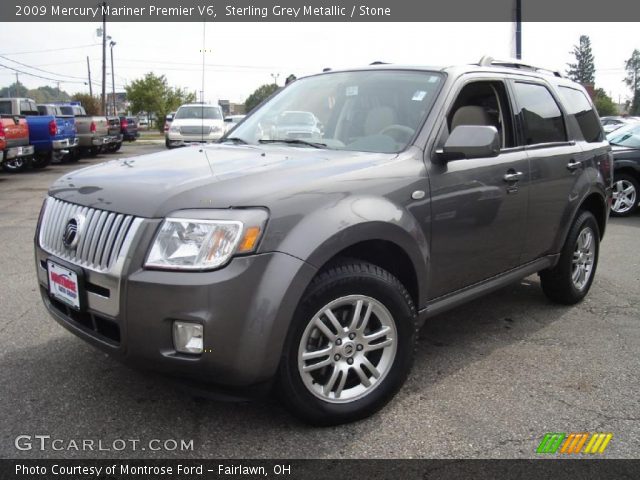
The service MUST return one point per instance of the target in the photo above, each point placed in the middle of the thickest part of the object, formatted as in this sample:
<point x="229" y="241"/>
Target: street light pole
<point x="104" y="58"/>
<point x="113" y="80"/>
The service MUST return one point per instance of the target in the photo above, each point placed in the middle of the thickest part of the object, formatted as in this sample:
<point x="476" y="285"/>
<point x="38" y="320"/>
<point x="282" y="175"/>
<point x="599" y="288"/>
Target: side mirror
<point x="471" y="141"/>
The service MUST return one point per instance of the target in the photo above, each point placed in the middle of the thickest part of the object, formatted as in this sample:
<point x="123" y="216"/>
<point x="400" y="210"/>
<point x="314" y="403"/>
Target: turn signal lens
<point x="250" y="240"/>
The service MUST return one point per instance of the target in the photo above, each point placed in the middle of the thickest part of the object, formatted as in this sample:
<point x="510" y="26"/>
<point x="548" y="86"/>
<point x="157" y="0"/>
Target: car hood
<point x="214" y="176"/>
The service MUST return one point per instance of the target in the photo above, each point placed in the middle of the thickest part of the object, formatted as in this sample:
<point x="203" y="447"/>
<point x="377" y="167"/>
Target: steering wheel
<point x="400" y="133"/>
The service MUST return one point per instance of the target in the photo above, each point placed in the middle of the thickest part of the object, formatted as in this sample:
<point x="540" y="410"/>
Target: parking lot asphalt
<point x="490" y="378"/>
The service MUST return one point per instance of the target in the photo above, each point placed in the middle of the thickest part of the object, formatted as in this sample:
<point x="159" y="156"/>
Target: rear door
<point x="478" y="206"/>
<point x="555" y="160"/>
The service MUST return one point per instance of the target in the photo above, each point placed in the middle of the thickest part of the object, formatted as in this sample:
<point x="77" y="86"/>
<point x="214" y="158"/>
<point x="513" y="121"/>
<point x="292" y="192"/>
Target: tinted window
<point x="28" y="108"/>
<point x="578" y="106"/>
<point x="66" y="110"/>
<point x="208" y="113"/>
<point x="540" y="115"/>
<point x="5" y="108"/>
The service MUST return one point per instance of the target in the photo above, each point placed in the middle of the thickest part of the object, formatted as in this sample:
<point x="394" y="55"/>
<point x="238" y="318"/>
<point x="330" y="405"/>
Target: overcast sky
<point x="244" y="55"/>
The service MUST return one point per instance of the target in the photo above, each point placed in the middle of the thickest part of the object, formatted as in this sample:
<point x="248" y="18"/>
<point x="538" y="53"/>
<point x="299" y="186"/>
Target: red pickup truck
<point x="15" y="151"/>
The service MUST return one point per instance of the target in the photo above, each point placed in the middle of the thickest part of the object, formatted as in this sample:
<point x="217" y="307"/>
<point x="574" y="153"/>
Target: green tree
<point x="92" y="105"/>
<point x="632" y="66"/>
<point x="14" y="90"/>
<point x="152" y="95"/>
<point x="584" y="69"/>
<point x="257" y="97"/>
<point x="604" y="104"/>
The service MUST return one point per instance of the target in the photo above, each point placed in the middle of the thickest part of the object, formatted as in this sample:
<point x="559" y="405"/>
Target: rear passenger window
<point x="5" y="107"/>
<point x="540" y="115"/>
<point x="578" y="106"/>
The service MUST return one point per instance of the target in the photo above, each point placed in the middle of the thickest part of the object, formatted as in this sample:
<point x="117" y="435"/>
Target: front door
<point x="478" y="206"/>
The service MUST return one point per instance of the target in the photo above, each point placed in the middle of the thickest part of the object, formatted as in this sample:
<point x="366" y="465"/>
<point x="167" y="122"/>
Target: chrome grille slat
<point x="101" y="240"/>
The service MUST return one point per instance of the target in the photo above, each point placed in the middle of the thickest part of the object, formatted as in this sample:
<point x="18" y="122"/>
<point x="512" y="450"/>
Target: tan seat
<point x="470" y="115"/>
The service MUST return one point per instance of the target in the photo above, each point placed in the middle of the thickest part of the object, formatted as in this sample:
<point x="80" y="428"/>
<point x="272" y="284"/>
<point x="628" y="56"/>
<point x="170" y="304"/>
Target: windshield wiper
<point x="294" y="141"/>
<point x="236" y="140"/>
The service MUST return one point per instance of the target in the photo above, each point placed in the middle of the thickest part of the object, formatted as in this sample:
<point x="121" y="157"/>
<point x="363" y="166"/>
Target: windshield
<point x="369" y="111"/>
<point x="208" y="113"/>
<point x="628" y="136"/>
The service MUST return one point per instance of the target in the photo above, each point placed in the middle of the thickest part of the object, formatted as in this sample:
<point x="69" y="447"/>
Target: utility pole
<point x="89" y="72"/>
<point x="17" y="85"/>
<point x="519" y="29"/>
<point x="104" y="58"/>
<point x="113" y="80"/>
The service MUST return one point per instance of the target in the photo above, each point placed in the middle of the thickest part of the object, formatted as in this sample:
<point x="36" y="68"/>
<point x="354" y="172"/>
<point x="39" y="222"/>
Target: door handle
<point x="573" y="165"/>
<point x="512" y="176"/>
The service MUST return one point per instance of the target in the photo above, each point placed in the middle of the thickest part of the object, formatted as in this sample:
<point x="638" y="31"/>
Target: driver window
<point x="484" y="103"/>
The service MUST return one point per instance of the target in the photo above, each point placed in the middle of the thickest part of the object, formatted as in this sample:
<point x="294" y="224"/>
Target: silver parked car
<point x="195" y="123"/>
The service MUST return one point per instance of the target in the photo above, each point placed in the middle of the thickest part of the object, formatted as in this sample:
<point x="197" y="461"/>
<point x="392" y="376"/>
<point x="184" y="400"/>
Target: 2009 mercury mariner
<point x="306" y="256"/>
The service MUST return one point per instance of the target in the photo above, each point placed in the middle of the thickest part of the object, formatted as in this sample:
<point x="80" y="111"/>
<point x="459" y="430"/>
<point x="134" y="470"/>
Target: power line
<point x="40" y="69"/>
<point x="51" y="49"/>
<point x="39" y="76"/>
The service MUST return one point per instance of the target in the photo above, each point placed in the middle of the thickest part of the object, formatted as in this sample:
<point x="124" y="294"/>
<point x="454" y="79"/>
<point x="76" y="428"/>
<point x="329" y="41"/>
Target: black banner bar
<point x="318" y="469"/>
<point x="319" y="11"/>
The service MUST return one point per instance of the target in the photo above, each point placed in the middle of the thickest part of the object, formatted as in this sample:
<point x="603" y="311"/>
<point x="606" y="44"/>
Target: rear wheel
<point x="350" y="346"/>
<point x="41" y="160"/>
<point x="15" y="165"/>
<point x="625" y="195"/>
<point x="570" y="280"/>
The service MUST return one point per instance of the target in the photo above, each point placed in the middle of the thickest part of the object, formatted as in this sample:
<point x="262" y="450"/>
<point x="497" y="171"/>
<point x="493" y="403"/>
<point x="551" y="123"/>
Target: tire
<point x="558" y="283"/>
<point x="167" y="144"/>
<point x="15" y="165"/>
<point x="94" y="151"/>
<point x="41" y="161"/>
<point x="117" y="147"/>
<point x="312" y="395"/>
<point x="626" y="195"/>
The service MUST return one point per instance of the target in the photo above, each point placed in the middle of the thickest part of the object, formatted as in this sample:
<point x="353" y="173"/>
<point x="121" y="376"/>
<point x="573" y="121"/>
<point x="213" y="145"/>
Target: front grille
<point x="101" y="238"/>
<point x="197" y="130"/>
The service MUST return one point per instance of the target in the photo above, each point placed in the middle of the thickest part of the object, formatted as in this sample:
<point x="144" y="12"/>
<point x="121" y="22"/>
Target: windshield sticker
<point x="351" y="91"/>
<point x="419" y="96"/>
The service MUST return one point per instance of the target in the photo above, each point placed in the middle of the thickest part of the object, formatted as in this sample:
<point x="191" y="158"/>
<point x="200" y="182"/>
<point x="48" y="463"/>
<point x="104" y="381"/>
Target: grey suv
<point x="310" y="264"/>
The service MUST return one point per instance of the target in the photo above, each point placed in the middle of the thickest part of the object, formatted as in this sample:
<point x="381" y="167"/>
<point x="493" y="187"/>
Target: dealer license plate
<point x="63" y="284"/>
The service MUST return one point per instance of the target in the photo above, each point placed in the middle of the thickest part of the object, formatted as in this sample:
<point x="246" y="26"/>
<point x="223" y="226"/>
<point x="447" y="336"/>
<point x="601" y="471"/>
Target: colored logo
<point x="574" y="443"/>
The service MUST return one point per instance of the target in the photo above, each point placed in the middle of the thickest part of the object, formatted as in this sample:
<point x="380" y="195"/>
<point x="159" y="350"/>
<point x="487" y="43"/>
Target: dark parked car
<point x="129" y="128"/>
<point x="314" y="263"/>
<point x="625" y="142"/>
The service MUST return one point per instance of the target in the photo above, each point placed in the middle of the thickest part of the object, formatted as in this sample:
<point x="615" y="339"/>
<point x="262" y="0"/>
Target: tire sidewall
<point x="393" y="296"/>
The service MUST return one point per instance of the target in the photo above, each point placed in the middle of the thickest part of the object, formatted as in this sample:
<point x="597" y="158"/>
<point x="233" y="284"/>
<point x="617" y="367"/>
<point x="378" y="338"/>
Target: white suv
<point x="196" y="122"/>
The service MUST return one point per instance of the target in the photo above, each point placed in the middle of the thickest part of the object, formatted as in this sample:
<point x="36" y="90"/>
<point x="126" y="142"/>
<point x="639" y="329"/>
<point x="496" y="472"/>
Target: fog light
<point x="188" y="337"/>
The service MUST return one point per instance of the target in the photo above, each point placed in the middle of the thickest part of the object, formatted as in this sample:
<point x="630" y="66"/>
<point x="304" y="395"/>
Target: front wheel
<point x="625" y="195"/>
<point x="570" y="280"/>
<point x="350" y="346"/>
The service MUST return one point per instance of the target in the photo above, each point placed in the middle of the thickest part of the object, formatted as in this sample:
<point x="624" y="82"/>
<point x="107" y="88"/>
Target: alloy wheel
<point x="583" y="258"/>
<point x="347" y="349"/>
<point x="624" y="196"/>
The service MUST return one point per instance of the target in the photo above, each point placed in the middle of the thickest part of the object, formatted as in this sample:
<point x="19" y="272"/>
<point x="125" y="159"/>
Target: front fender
<point x="320" y="235"/>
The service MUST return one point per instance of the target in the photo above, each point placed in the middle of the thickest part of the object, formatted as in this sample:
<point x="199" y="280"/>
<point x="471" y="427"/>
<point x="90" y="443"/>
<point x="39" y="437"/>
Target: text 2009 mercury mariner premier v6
<point x="307" y="258"/>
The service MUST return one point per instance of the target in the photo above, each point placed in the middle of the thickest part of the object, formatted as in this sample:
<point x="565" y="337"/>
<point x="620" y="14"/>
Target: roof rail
<point x="488" y="61"/>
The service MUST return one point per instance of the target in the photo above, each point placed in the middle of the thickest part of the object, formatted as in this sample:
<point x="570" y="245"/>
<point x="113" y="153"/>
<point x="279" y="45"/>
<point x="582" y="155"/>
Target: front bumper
<point x="66" y="143"/>
<point x="176" y="138"/>
<point x="18" y="152"/>
<point x="245" y="307"/>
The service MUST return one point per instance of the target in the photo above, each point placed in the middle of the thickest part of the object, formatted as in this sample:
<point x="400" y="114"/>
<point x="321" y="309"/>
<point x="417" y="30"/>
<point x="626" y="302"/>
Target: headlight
<point x="194" y="244"/>
<point x="174" y="128"/>
<point x="214" y="129"/>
